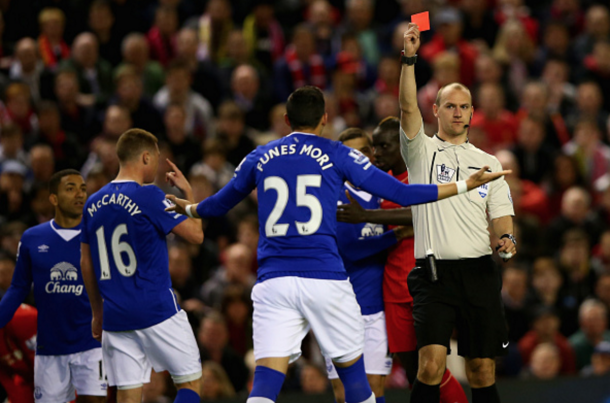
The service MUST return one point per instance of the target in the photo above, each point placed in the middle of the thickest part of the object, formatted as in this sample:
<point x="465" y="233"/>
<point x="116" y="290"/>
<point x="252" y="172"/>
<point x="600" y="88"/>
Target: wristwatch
<point x="409" y="61"/>
<point x="511" y="237"/>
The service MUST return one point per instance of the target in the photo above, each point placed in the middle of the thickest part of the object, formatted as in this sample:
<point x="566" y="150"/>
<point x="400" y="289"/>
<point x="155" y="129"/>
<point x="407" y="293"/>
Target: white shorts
<point x="286" y="307"/>
<point x="57" y="376"/>
<point x="170" y="345"/>
<point x="377" y="358"/>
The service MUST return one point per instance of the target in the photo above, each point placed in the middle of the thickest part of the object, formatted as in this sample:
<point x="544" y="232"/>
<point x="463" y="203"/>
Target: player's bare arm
<point x="191" y="229"/>
<point x="93" y="291"/>
<point x="410" y="115"/>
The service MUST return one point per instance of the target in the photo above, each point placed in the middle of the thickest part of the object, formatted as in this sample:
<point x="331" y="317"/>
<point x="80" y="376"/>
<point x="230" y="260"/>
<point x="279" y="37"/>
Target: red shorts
<point x="400" y="326"/>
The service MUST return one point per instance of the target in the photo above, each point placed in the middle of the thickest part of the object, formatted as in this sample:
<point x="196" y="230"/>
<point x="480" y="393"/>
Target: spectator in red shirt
<point x="498" y="123"/>
<point x="162" y="36"/>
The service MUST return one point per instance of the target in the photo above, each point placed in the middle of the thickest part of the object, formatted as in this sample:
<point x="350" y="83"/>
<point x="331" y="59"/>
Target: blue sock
<point x="267" y="383"/>
<point x="187" y="396"/>
<point x="357" y="388"/>
<point x="380" y="399"/>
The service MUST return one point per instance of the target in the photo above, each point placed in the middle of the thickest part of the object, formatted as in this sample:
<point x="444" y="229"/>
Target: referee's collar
<point x="445" y="144"/>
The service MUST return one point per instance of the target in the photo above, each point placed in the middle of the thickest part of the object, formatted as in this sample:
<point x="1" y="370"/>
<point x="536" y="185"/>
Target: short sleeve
<point x="354" y="165"/>
<point x="415" y="154"/>
<point x="500" y="202"/>
<point x="244" y="178"/>
<point x="154" y="204"/>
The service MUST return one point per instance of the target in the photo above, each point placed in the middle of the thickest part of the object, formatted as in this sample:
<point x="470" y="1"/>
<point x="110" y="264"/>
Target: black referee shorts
<point x="467" y="297"/>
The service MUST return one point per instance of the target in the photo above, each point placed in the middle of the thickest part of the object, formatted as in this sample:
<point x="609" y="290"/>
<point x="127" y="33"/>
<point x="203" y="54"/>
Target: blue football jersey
<point x="125" y="225"/>
<point x="362" y="247"/>
<point x="299" y="179"/>
<point x="49" y="257"/>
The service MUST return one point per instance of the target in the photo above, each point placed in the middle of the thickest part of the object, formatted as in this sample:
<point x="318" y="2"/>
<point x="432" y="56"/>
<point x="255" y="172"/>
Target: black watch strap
<point x="511" y="237"/>
<point x="409" y="61"/>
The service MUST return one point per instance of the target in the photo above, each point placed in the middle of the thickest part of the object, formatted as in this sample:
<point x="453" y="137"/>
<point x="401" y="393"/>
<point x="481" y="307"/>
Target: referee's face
<point x="454" y="112"/>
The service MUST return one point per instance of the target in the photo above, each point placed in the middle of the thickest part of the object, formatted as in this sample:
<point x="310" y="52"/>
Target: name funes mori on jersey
<point x="290" y="149"/>
<point x="120" y="199"/>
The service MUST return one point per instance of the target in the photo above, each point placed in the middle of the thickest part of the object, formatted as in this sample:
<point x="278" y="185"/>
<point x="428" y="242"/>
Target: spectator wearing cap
<point x="600" y="361"/>
<point x="545" y="329"/>
<point x="13" y="200"/>
<point x="448" y="37"/>
<point x="51" y="45"/>
<point x="593" y="320"/>
<point x="136" y="53"/>
<point x="264" y="35"/>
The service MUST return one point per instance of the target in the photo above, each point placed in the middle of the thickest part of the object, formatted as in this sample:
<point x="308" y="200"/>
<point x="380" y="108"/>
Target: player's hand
<point x="481" y="177"/>
<point x="411" y="39"/>
<point x="506" y="246"/>
<point x="176" y="178"/>
<point x="179" y="204"/>
<point x="96" y="328"/>
<point x="352" y="213"/>
<point x="403" y="231"/>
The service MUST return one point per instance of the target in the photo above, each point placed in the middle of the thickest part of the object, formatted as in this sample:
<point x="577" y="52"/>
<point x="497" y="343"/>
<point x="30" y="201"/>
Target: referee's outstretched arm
<point x="410" y="115"/>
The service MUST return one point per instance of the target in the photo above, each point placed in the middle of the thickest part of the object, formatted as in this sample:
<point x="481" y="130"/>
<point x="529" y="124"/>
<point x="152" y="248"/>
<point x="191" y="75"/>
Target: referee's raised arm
<point x="410" y="115"/>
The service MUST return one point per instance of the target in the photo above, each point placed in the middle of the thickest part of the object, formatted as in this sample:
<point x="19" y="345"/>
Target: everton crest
<point x="444" y="174"/>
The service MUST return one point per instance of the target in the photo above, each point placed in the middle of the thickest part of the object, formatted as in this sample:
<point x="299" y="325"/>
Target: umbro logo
<point x="504" y="345"/>
<point x="43" y="248"/>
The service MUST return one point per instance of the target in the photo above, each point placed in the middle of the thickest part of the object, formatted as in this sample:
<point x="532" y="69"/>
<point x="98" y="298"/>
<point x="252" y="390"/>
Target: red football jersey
<point x="17" y="350"/>
<point x="401" y="260"/>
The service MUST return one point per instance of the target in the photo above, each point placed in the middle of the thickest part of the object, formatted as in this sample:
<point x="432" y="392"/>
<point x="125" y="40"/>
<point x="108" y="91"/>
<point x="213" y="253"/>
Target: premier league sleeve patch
<point x="444" y="174"/>
<point x="483" y="190"/>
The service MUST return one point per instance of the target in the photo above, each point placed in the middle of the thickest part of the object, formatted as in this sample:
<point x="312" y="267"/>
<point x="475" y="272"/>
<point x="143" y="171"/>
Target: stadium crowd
<point x="209" y="78"/>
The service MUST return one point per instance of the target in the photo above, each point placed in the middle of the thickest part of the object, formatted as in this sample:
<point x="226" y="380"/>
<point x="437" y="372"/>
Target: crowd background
<point x="210" y="79"/>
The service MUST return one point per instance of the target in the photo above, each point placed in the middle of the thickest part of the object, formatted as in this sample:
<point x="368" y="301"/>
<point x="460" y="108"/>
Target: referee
<point x="455" y="283"/>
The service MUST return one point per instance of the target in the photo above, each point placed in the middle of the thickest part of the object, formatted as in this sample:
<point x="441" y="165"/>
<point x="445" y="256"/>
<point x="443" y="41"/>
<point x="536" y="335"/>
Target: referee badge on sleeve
<point x="483" y="190"/>
<point x="444" y="174"/>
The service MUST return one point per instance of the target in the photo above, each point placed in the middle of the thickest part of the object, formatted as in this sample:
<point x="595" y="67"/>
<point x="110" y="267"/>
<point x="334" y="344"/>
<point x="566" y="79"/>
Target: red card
<point x="422" y="20"/>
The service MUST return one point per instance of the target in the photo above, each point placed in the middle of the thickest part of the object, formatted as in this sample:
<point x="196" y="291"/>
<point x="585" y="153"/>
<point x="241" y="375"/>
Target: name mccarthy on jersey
<point x="290" y="149"/>
<point x="120" y="199"/>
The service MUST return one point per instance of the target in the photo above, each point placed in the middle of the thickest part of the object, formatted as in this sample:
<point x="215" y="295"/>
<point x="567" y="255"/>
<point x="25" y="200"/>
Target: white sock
<point x="259" y="399"/>
<point x="371" y="399"/>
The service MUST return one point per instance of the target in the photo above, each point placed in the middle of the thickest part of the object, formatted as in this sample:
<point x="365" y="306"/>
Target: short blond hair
<point x="451" y="85"/>
<point x="51" y="13"/>
<point x="134" y="142"/>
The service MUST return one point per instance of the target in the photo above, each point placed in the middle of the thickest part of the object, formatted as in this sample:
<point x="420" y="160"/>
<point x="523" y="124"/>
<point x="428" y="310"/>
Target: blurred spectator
<point x="555" y="44"/>
<point x="252" y="99"/>
<point x="277" y="126"/>
<point x="388" y="77"/>
<point x="592" y="156"/>
<point x="94" y="73"/>
<point x="66" y="147"/>
<point x="596" y="67"/>
<point x="214" y="165"/>
<point x="42" y="163"/>
<point x="186" y="150"/>
<point x="236" y="307"/>
<point x="336" y="122"/>
<point x="41" y="209"/>
<point x="489" y="71"/>
<point x="497" y="122"/>
<point x="352" y="104"/>
<point x="383" y="106"/>
<point x="564" y="175"/>
<point x="136" y="52"/>
<point x="130" y="95"/>
<point x="76" y="117"/>
<point x="314" y="380"/>
<point x="509" y="10"/>
<point x="101" y="22"/>
<point x="178" y="90"/>
<point x="589" y="102"/>
<point x="213" y="27"/>
<point x="515" y="50"/>
<point x="232" y="131"/>
<point x="597" y="27"/>
<point x="600" y="361"/>
<point x="263" y="34"/>
<point x="479" y="21"/>
<point x="568" y="13"/>
<point x="181" y="271"/>
<point x="545" y="363"/>
<point x="514" y="293"/>
<point x="299" y="66"/>
<point x="321" y="20"/>
<point x="96" y="179"/>
<point x="601" y="257"/>
<point x="51" y="44"/>
<point x="13" y="200"/>
<point x="535" y="103"/>
<point x="446" y="70"/>
<point x="103" y="153"/>
<point x="547" y="282"/>
<point x="117" y="120"/>
<point x="29" y="69"/>
<point x="562" y="93"/>
<point x="247" y="234"/>
<point x="574" y="261"/>
<point x="7" y="269"/>
<point x="11" y="144"/>
<point x="11" y="235"/>
<point x="545" y="329"/>
<point x="206" y="79"/>
<point x="448" y="37"/>
<point x="593" y="330"/>
<point x="155" y="390"/>
<point x="236" y="271"/>
<point x="535" y="158"/>
<point x="602" y="291"/>
<point x="213" y="341"/>
<point x="162" y="35"/>
<point x="359" y="21"/>
<point x="215" y="384"/>
<point x="18" y="109"/>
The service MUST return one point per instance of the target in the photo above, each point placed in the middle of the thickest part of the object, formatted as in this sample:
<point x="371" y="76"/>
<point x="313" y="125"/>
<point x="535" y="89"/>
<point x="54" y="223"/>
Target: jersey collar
<point x="67" y="234"/>
<point x="304" y="134"/>
<point x="442" y="144"/>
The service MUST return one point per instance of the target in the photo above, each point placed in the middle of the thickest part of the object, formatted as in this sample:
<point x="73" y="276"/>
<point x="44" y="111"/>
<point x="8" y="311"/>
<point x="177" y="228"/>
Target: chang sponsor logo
<point x="371" y="230"/>
<point x="61" y="272"/>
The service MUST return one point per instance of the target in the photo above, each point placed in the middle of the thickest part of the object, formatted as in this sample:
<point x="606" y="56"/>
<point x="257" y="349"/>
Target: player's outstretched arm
<point x="20" y="287"/>
<point x="354" y="213"/>
<point x="93" y="291"/>
<point x="410" y="115"/>
<point x="475" y="180"/>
